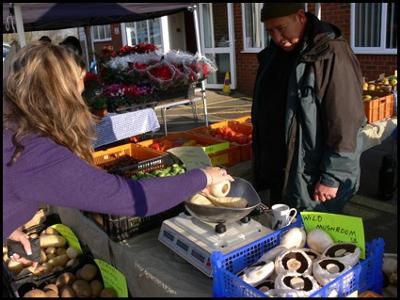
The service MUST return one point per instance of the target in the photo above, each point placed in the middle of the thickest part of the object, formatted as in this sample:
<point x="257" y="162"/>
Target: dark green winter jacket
<point x="324" y="118"/>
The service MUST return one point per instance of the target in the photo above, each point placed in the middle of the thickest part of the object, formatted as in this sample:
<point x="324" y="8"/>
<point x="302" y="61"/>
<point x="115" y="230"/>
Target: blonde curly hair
<point x="41" y="96"/>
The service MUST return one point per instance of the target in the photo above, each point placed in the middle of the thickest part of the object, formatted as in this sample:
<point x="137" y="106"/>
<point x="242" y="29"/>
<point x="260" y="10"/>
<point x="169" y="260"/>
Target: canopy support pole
<point x="203" y="83"/>
<point x="318" y="10"/>
<point x="20" y="25"/>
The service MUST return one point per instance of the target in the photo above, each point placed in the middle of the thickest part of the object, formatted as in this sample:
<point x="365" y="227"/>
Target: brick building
<point x="232" y="35"/>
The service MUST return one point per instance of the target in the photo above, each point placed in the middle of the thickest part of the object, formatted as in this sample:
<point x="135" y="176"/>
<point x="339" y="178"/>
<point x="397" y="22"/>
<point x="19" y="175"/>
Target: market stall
<point x="49" y="16"/>
<point x="229" y="236"/>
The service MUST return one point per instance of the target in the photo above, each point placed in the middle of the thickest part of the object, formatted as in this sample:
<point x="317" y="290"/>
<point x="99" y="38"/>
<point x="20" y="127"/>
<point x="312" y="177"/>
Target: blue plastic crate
<point x="366" y="275"/>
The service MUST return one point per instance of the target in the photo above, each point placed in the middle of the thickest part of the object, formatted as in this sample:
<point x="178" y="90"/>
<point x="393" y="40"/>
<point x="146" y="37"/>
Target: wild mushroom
<point x="265" y="285"/>
<point x="312" y="254"/>
<point x="294" y="261"/>
<point x="347" y="253"/>
<point x="257" y="272"/>
<point x="273" y="253"/>
<point x="327" y="269"/>
<point x="294" y="238"/>
<point x="318" y="240"/>
<point x="300" y="285"/>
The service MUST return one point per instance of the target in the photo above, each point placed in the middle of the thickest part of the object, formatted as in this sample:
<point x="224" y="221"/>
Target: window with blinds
<point x="374" y="28"/>
<point x="255" y="36"/>
<point x="101" y="33"/>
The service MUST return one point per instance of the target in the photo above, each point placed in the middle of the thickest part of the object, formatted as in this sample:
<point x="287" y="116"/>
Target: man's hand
<point x="323" y="193"/>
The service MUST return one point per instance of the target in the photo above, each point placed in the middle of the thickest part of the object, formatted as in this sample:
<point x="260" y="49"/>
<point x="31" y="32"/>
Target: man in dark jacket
<point x="307" y="112"/>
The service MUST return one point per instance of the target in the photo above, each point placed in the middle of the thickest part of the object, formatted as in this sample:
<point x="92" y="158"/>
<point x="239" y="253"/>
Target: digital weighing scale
<point x="195" y="240"/>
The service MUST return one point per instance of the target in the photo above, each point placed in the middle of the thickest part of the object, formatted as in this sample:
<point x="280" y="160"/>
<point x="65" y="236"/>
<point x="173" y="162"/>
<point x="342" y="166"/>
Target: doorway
<point x="217" y="41"/>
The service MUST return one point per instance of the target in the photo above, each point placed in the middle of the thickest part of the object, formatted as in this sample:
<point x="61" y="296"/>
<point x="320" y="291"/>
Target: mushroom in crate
<point x="293" y="261"/>
<point x="347" y="253"/>
<point x="327" y="269"/>
<point x="293" y="284"/>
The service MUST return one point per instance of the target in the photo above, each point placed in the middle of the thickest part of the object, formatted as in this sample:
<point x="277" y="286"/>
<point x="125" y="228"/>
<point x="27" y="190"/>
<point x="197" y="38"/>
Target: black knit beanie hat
<point x="279" y="9"/>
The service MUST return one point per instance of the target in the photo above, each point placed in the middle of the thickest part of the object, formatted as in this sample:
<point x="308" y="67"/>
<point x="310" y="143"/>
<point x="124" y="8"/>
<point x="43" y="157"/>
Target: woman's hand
<point x="19" y="236"/>
<point x="216" y="175"/>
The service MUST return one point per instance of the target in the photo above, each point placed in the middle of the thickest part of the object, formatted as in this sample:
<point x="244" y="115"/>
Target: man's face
<point x="287" y="32"/>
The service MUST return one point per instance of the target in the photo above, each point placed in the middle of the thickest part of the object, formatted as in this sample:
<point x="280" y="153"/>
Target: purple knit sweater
<point x="47" y="172"/>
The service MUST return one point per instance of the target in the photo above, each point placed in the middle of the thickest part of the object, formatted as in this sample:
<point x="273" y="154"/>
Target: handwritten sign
<point x="192" y="157"/>
<point x="341" y="228"/>
<point x="69" y="235"/>
<point x="113" y="278"/>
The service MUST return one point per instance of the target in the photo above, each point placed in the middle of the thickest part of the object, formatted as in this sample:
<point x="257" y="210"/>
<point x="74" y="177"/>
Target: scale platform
<point x="195" y="240"/>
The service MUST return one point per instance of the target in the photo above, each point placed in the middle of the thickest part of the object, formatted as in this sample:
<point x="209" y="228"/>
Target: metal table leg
<point x="164" y="116"/>
<point x="203" y="97"/>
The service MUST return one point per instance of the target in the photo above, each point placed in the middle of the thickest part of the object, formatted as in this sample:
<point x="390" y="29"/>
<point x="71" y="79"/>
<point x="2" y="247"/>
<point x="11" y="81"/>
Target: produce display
<point x="55" y="255"/>
<point x="290" y="270"/>
<point x="84" y="282"/>
<point x="165" y="144"/>
<point x="385" y="86"/>
<point x="229" y="134"/>
<point x="121" y="162"/>
<point x="173" y="170"/>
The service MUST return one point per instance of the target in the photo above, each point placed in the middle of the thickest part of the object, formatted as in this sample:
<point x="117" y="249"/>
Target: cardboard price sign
<point x="113" y="278"/>
<point x="69" y="235"/>
<point x="341" y="228"/>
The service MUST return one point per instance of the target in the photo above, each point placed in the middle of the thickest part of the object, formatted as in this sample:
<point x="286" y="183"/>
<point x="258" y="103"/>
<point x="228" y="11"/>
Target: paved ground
<point x="380" y="217"/>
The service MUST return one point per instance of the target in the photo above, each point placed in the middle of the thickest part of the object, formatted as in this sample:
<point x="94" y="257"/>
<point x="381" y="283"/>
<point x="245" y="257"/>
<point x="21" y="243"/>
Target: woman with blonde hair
<point x="48" y="133"/>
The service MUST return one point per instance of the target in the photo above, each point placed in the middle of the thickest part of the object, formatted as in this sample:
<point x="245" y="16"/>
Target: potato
<point x="6" y="259"/>
<point x="51" y="294"/>
<point x="50" y="231"/>
<point x="47" y="268"/>
<point x="108" y="293"/>
<point x="50" y="256"/>
<point x="96" y="287"/>
<point x="88" y="272"/>
<point x="36" y="271"/>
<point x="72" y="252"/>
<point x="51" y="250"/>
<point x="67" y="292"/>
<point x="52" y="287"/>
<point x="71" y="262"/>
<point x="61" y="251"/>
<point x="65" y="279"/>
<point x="15" y="267"/>
<point x="58" y="268"/>
<point x="43" y="256"/>
<point x="82" y="288"/>
<point x="34" y="236"/>
<point x="59" y="261"/>
<point x="52" y="241"/>
<point x="37" y="219"/>
<point x="36" y="293"/>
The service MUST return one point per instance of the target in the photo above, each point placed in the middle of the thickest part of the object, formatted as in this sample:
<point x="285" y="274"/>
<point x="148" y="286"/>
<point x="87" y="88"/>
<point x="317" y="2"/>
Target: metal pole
<point x="93" y="51"/>
<point x="318" y="10"/>
<point x="203" y="84"/>
<point x="20" y="25"/>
